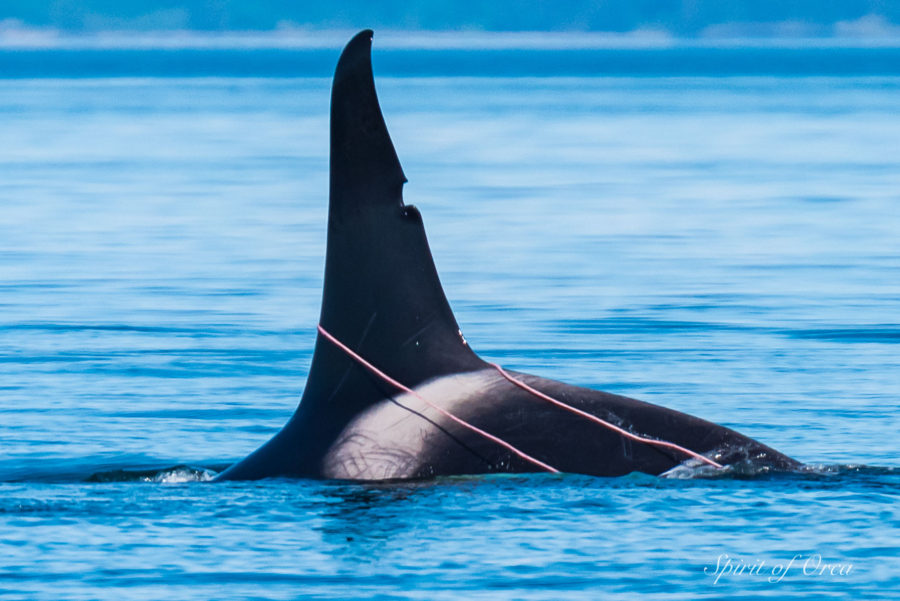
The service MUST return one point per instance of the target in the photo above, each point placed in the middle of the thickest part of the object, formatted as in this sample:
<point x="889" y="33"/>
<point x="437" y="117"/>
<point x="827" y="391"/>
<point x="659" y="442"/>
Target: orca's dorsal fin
<point x="382" y="296"/>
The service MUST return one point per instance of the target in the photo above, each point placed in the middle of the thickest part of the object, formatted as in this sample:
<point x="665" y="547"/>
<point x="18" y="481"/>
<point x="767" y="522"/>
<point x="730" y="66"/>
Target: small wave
<point x="876" y="334"/>
<point x="746" y="470"/>
<point x="847" y="469"/>
<point x="180" y="474"/>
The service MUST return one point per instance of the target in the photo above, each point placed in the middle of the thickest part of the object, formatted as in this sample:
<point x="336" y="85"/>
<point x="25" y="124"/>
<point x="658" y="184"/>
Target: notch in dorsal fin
<point x="382" y="296"/>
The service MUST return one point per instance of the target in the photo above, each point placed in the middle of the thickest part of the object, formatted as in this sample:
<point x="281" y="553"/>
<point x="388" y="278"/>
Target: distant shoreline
<point x="23" y="38"/>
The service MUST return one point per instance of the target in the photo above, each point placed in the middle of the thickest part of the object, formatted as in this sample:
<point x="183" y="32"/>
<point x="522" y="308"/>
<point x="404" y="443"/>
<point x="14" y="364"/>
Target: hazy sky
<point x="681" y="18"/>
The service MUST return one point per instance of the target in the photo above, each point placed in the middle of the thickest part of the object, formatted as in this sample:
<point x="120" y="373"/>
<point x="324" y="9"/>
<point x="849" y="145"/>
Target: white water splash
<point x="182" y="475"/>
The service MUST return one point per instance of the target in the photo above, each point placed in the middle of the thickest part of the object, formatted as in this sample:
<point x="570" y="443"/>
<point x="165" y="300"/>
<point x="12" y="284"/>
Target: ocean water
<point x="723" y="245"/>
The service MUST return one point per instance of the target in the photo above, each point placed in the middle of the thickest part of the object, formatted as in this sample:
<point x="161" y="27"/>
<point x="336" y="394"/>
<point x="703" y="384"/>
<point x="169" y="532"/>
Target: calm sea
<point x="720" y="239"/>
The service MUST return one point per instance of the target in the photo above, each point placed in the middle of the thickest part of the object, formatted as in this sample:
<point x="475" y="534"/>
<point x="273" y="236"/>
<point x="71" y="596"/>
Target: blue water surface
<point x="726" y="246"/>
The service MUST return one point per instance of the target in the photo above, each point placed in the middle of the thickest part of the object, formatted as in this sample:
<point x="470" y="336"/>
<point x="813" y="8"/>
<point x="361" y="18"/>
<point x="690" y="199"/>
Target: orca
<point x="394" y="391"/>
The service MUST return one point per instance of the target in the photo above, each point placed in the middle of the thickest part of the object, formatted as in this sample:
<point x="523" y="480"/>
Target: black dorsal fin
<point x="382" y="296"/>
<point x="365" y="169"/>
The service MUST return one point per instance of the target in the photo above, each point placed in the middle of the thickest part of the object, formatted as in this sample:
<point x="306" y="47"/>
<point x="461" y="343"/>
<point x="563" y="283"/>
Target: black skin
<point x="382" y="297"/>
